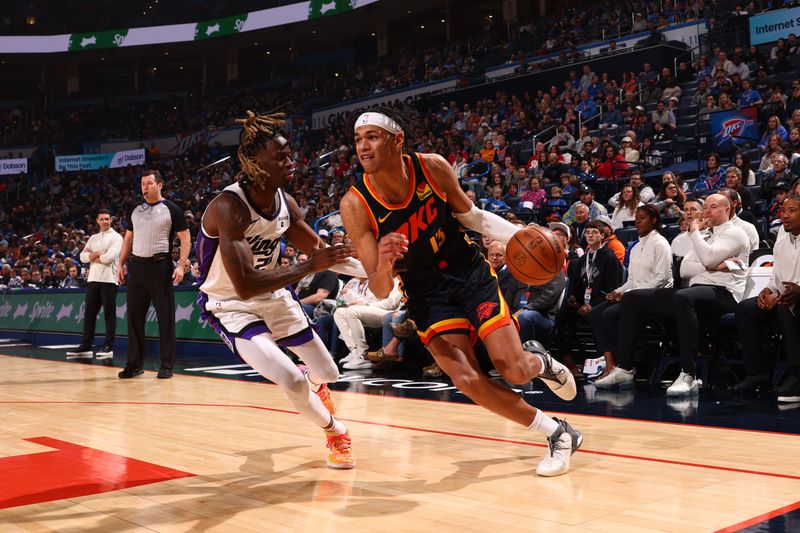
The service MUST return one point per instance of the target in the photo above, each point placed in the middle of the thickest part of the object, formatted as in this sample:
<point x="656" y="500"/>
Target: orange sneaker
<point x="341" y="451"/>
<point x="324" y="392"/>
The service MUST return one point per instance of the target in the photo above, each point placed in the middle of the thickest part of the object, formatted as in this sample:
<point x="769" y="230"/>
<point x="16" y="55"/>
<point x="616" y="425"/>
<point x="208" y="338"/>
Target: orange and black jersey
<point x="436" y="240"/>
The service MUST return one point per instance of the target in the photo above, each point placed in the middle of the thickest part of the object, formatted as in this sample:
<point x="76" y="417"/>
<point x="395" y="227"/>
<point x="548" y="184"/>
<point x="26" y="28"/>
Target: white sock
<point x="544" y="424"/>
<point x="313" y="386"/>
<point x="335" y="427"/>
<point x="542" y="360"/>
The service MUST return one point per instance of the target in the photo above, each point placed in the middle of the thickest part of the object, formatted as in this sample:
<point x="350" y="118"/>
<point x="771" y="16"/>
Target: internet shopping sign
<point x="774" y="25"/>
<point x="731" y="129"/>
<point x="74" y="163"/>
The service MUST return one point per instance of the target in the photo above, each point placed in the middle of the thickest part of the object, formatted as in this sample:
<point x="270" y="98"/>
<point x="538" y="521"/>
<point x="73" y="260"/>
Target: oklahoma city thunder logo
<point x="485" y="310"/>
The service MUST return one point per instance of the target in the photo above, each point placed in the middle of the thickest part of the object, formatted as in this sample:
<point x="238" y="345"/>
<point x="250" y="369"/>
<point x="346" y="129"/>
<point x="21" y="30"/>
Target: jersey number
<point x="437" y="240"/>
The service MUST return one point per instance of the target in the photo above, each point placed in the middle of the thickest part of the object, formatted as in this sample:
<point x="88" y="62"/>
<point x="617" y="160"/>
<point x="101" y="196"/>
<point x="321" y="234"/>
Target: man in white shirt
<point x="776" y="303"/>
<point x="359" y="309"/>
<point x="750" y="230"/>
<point x="713" y="289"/>
<point x="692" y="208"/>
<point x="102" y="253"/>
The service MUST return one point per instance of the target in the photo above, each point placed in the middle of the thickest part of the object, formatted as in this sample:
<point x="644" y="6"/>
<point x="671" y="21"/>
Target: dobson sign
<point x="74" y="163"/>
<point x="13" y="166"/>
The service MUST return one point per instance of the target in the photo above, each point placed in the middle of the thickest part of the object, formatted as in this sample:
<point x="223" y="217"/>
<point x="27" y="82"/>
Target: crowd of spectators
<point x="569" y="179"/>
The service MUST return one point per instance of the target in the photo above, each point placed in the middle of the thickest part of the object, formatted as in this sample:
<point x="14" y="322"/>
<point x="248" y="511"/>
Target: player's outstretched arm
<point x="228" y="218"/>
<point x="302" y="235"/>
<point x="378" y="258"/>
<point x="464" y="210"/>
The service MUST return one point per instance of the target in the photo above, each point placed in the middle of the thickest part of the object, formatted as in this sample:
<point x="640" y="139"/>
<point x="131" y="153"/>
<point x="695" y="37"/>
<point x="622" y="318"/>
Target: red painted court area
<point x="69" y="471"/>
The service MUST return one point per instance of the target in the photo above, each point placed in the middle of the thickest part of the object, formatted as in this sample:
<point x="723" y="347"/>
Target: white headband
<point x="372" y="118"/>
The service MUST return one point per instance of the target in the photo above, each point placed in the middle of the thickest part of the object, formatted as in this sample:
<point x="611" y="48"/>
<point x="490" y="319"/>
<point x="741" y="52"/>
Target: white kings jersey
<point x="263" y="234"/>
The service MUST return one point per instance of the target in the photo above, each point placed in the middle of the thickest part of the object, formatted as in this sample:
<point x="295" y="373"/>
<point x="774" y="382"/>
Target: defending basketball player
<point x="242" y="292"/>
<point x="406" y="216"/>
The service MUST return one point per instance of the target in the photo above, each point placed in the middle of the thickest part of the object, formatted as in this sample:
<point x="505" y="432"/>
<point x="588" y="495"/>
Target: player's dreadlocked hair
<point x="257" y="131"/>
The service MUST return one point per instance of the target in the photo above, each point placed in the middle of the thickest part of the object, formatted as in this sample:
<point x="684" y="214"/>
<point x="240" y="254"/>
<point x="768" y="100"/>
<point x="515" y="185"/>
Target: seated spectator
<point x="778" y="173"/>
<point x="682" y="243"/>
<point x="725" y="102"/>
<point x="511" y="288"/>
<point x="613" y="166"/>
<point x="733" y="180"/>
<point x="392" y="346"/>
<point x="663" y="116"/>
<point x="567" y="187"/>
<point x="587" y="108"/>
<point x="714" y="176"/>
<point x="586" y="197"/>
<point x="650" y="267"/>
<point x="362" y="310"/>
<point x="703" y="92"/>
<point x="610" y="240"/>
<point x="496" y="203"/>
<point x="670" y="200"/>
<point x="713" y="290"/>
<point x="776" y="303"/>
<point x="646" y="194"/>
<point x="535" y="195"/>
<point x="774" y="146"/>
<point x="749" y="96"/>
<point x="555" y="203"/>
<point x="774" y="127"/>
<point x="709" y="106"/>
<point x="625" y="210"/>
<point x="611" y="117"/>
<point x="742" y="162"/>
<point x="780" y="192"/>
<point x="733" y="215"/>
<point x="537" y="317"/>
<point x="73" y="281"/>
<point x="628" y="152"/>
<point x="595" y="274"/>
<point x="315" y="287"/>
<point x="649" y="156"/>
<point x="488" y="152"/>
<point x="671" y="90"/>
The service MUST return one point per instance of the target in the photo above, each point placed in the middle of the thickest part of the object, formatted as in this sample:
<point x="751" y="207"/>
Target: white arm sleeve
<point x="352" y="267"/>
<point x="487" y="223"/>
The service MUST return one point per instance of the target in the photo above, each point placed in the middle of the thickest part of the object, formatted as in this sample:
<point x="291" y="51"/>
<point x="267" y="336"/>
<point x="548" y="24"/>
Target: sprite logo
<point x="98" y="39"/>
<point x="219" y="27"/>
<point x="323" y="8"/>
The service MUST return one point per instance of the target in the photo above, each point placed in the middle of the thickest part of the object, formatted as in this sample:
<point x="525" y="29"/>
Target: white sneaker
<point x="80" y="353"/>
<point x="617" y="376"/>
<point x="106" y="352"/>
<point x="554" y="374"/>
<point x="684" y="385"/>
<point x="358" y="364"/>
<point x="351" y="356"/>
<point x="561" y="445"/>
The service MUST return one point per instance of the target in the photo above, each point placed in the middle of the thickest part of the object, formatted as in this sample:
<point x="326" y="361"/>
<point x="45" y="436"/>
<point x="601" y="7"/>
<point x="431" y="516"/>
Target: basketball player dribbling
<point x="406" y="216"/>
<point x="242" y="292"/>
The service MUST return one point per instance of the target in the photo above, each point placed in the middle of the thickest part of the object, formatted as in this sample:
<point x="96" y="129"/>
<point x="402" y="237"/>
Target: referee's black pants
<point x="100" y="295"/>
<point x="150" y="282"/>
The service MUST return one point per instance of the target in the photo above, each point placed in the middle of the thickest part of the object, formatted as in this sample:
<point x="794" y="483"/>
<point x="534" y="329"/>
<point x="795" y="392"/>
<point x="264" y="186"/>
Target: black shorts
<point x="467" y="299"/>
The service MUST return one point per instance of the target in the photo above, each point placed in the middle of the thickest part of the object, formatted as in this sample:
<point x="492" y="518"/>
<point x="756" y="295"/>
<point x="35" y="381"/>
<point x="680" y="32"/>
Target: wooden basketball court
<point x="84" y="451"/>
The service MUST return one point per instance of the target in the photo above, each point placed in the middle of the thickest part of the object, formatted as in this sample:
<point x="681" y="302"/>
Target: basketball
<point x="534" y="255"/>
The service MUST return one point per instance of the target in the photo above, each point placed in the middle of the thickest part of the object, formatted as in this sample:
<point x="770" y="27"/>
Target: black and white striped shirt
<point x="154" y="227"/>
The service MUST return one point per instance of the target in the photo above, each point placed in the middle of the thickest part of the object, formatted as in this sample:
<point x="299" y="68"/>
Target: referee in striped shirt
<point x="146" y="250"/>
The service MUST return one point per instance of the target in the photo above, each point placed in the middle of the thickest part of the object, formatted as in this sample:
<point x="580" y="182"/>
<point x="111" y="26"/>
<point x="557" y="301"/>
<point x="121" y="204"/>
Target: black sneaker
<point x="130" y="372"/>
<point x="789" y="389"/>
<point x="753" y="383"/>
<point x="107" y="352"/>
<point x="164" y="373"/>
<point x="81" y="352"/>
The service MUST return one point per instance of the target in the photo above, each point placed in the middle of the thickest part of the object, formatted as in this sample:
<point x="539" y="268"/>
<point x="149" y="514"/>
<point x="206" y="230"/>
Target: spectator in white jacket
<point x="359" y="308"/>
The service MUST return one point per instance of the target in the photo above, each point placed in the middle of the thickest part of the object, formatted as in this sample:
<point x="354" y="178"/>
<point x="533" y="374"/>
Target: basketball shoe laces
<point x="341" y="447"/>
